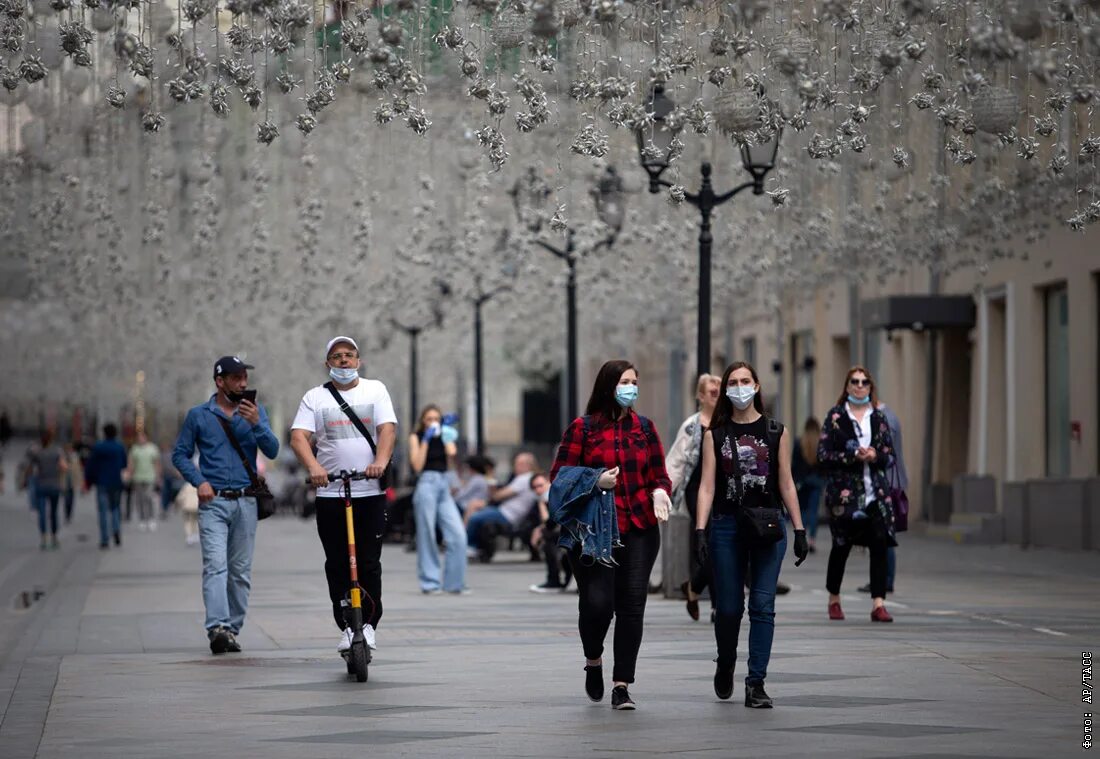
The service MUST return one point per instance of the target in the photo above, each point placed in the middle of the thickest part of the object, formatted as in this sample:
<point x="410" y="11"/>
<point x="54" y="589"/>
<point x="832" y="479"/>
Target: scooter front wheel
<point x="358" y="661"/>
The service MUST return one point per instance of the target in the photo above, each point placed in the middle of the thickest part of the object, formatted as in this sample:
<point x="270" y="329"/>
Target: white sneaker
<point x="152" y="525"/>
<point x="141" y="526"/>
<point x="345" y="641"/>
<point x="368" y="633"/>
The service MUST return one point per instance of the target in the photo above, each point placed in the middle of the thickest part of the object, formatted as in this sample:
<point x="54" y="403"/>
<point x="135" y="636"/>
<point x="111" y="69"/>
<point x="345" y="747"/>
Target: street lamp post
<point x="530" y="194"/>
<point x="480" y="298"/>
<point x="758" y="160"/>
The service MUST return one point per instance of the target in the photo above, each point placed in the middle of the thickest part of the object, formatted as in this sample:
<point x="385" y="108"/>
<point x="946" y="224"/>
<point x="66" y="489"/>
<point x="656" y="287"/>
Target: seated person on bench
<point x="514" y="502"/>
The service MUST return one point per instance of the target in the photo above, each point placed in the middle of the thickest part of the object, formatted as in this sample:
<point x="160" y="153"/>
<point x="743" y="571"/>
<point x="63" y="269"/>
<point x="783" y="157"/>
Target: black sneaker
<point x="234" y="647"/>
<point x="219" y="640"/>
<point x="756" y="698"/>
<point x="723" y="682"/>
<point x="620" y="699"/>
<point x="118" y="538"/>
<point x="593" y="681"/>
<point x="782" y="588"/>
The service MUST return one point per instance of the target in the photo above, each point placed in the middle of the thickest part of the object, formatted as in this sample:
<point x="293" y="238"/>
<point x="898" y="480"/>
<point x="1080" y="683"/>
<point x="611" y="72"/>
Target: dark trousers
<point x="618" y="591"/>
<point x="47" y="505"/>
<point x="69" y="495"/>
<point x="838" y="558"/>
<point x="369" y="514"/>
<point x="554" y="563"/>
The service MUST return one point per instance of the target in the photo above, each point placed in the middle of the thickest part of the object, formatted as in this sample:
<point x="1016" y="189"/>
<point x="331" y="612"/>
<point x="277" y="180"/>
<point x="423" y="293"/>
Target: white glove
<point x="662" y="504"/>
<point x="608" y="479"/>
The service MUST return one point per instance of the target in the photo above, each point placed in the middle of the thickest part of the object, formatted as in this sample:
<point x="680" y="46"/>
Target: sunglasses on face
<point x="856" y="382"/>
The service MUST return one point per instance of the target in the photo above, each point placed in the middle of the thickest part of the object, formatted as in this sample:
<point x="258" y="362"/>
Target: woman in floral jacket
<point x="854" y="452"/>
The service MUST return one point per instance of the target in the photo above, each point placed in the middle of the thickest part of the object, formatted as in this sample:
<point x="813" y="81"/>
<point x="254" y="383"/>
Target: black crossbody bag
<point x="761" y="525"/>
<point x="265" y="499"/>
<point x="384" y="481"/>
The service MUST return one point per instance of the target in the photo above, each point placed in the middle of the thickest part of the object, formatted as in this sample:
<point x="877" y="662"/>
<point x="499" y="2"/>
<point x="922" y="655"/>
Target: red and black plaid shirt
<point x="625" y="444"/>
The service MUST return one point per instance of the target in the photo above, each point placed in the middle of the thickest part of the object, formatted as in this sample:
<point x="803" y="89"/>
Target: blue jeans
<point x="733" y="558"/>
<point x="809" y="503"/>
<point x="48" y="498"/>
<point x="488" y="515"/>
<point x="227" y="534"/>
<point x="108" y="501"/>
<point x="432" y="503"/>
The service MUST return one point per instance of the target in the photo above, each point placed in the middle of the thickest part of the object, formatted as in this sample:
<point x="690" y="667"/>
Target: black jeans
<point x="620" y="592"/>
<point x="838" y="558"/>
<point x="369" y="514"/>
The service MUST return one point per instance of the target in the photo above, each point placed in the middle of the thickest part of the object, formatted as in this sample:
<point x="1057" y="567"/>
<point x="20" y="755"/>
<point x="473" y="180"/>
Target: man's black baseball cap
<point x="230" y="365"/>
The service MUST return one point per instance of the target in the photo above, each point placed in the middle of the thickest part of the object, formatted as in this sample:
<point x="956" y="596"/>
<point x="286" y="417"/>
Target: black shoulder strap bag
<point x="383" y="481"/>
<point x="265" y="499"/>
<point x="761" y="525"/>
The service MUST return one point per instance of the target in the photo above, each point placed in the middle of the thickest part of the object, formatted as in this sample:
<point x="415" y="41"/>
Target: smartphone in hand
<point x="249" y="395"/>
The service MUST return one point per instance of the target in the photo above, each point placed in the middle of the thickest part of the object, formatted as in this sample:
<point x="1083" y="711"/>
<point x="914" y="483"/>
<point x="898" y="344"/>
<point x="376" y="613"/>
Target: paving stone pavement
<point x="984" y="660"/>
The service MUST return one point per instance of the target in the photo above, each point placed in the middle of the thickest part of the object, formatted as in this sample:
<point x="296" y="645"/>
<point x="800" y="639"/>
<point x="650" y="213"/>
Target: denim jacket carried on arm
<point x="586" y="514"/>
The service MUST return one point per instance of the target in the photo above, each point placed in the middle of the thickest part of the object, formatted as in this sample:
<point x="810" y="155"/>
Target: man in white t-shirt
<point x="340" y="446"/>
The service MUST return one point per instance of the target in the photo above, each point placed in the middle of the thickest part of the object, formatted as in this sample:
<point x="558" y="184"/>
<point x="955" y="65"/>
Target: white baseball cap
<point x="340" y="339"/>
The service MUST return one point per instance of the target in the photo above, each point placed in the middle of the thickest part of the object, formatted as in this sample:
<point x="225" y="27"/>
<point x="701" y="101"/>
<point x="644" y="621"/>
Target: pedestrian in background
<point x="807" y="477"/>
<point x="72" y="479"/>
<point x="684" y="472"/>
<point x="47" y="462"/>
<point x="855" y="450"/>
<point x="431" y="453"/>
<point x="144" y="475"/>
<point x="106" y="463"/>
<point x="746" y="475"/>
<point x="615" y="449"/>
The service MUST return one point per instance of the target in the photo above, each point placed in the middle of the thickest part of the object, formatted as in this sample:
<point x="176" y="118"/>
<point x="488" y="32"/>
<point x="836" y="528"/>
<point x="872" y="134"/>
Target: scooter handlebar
<point x="342" y="474"/>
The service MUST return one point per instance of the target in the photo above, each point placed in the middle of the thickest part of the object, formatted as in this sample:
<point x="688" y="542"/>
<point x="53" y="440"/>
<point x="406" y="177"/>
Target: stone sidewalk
<point x="983" y="660"/>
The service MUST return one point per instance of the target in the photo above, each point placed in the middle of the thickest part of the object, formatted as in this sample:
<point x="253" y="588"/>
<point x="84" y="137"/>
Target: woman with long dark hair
<point x="623" y="447"/>
<point x="854" y="451"/>
<point x="746" y="476"/>
<point x="431" y="453"/>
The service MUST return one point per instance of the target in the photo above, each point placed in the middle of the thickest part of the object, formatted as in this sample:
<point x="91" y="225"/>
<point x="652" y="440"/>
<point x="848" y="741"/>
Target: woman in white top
<point x="854" y="453"/>
<point x="682" y="464"/>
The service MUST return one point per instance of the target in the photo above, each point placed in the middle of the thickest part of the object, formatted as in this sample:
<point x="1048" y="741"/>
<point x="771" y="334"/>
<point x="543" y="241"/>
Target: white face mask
<point x="741" y="395"/>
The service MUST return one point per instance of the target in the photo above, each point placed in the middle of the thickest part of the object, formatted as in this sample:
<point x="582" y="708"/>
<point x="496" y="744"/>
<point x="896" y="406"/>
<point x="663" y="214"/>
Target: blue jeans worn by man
<point x="733" y="558"/>
<point x="433" y="504"/>
<point x="227" y="534"/>
<point x="108" y="505"/>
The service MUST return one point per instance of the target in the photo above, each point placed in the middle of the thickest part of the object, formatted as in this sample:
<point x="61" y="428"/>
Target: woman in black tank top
<point x="746" y="464"/>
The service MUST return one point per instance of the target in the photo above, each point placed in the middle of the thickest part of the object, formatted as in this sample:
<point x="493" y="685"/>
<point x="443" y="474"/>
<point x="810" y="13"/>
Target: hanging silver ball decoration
<point x="76" y="80"/>
<point x="571" y="12"/>
<point x="104" y="19"/>
<point x="266" y="132"/>
<point x="305" y="123"/>
<point x="737" y="110"/>
<point x="790" y="52"/>
<point x="1025" y="19"/>
<point x="995" y="109"/>
<point x="508" y="29"/>
<point x="116" y="96"/>
<point x="152" y="121"/>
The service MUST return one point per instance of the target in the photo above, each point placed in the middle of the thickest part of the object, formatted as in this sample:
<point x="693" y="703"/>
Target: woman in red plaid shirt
<point x="624" y="446"/>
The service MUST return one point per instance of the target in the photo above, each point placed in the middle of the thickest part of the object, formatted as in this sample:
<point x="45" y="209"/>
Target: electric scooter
<point x="358" y="656"/>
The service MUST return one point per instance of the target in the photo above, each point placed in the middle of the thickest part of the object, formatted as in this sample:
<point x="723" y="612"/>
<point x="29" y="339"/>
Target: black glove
<point x="702" y="550"/>
<point x="801" y="547"/>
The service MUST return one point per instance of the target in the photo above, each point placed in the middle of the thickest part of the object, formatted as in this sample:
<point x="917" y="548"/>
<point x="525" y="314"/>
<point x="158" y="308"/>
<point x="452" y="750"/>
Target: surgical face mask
<point x="858" y="401"/>
<point x="741" y="395"/>
<point x="343" y="376"/>
<point x="625" y="395"/>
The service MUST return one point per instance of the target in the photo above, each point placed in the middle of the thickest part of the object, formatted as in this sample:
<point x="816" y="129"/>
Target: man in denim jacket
<point x="227" y="510"/>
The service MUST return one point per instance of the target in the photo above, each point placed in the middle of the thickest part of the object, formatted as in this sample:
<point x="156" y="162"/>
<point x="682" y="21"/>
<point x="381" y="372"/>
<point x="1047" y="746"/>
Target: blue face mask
<point x="343" y="376"/>
<point x="858" y="401"/>
<point x="625" y="395"/>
